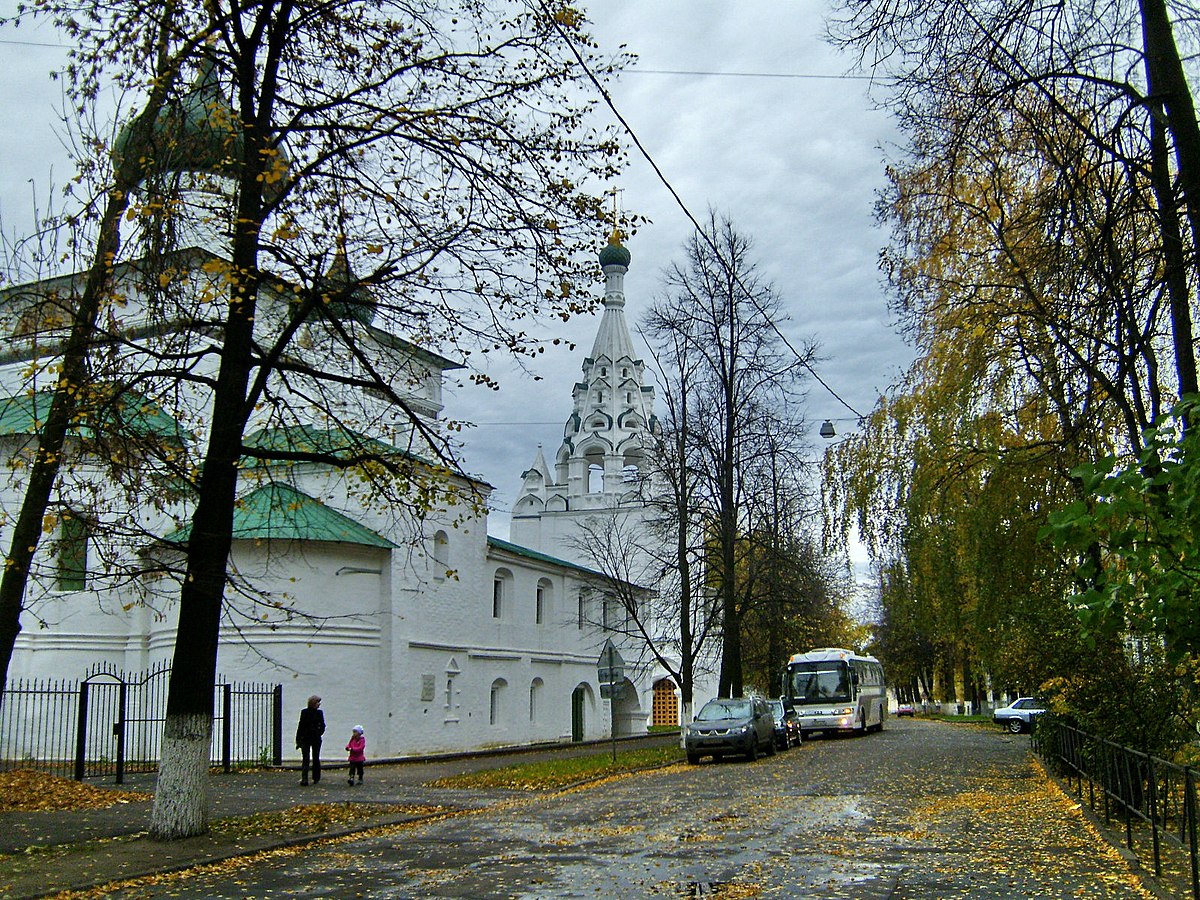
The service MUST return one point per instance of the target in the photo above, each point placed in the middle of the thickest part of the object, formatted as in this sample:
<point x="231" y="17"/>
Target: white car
<point x="1020" y="715"/>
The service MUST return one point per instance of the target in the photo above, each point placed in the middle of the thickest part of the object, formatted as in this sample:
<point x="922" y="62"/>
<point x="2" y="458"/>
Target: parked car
<point x="741" y="725"/>
<point x="787" y="724"/>
<point x="906" y="709"/>
<point x="1020" y="715"/>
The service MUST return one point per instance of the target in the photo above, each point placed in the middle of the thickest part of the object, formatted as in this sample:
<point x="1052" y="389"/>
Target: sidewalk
<point x="45" y="853"/>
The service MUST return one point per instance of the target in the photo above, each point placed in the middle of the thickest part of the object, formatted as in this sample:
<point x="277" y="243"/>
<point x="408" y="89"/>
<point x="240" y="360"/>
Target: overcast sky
<point x="743" y="108"/>
<point x="795" y="161"/>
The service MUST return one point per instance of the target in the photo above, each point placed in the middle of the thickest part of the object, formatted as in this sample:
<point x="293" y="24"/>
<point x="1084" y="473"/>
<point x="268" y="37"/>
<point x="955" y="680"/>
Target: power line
<point x="33" y="44"/>
<point x="683" y="206"/>
<point x="711" y="74"/>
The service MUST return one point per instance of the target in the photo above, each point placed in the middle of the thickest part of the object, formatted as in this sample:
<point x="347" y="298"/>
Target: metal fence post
<point x="81" y="730"/>
<point x="227" y="727"/>
<point x="277" y="725"/>
<point x="1189" y="797"/>
<point x="119" y="729"/>
<point x="1154" y="817"/>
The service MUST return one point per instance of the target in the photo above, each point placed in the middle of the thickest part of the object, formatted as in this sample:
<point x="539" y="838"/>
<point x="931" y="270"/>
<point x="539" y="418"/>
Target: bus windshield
<point x="816" y="682"/>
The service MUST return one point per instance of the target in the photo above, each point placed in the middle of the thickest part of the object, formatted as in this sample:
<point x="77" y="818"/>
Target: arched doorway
<point x="665" y="707"/>
<point x="578" y="701"/>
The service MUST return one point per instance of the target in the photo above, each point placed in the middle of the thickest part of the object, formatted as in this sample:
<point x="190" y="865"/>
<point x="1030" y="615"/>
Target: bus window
<point x="814" y="682"/>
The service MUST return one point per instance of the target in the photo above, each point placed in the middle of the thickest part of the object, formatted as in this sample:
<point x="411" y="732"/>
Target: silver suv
<point x="1020" y="715"/>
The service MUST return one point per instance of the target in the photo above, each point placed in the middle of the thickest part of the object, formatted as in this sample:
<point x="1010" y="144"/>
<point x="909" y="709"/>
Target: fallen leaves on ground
<point x="314" y="818"/>
<point x="27" y="790"/>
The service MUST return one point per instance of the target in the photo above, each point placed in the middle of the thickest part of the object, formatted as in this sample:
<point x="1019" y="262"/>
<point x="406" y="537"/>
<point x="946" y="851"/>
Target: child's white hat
<point x="358" y="729"/>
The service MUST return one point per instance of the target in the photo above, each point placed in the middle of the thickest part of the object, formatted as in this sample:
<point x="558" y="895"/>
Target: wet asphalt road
<point x="922" y="810"/>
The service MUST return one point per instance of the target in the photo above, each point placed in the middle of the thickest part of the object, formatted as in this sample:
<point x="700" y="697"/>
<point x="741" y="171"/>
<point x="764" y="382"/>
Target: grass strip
<point x="559" y="773"/>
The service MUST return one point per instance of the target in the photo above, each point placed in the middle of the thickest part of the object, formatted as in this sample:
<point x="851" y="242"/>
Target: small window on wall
<point x="535" y="688"/>
<point x="494" y="705"/>
<point x="441" y="554"/>
<point x="502" y="592"/>
<point x="72" y="553"/>
<point x="582" y="609"/>
<point x="545" y="592"/>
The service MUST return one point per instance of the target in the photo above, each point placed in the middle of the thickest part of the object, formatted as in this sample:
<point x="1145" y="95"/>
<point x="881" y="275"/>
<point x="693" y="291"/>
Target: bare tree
<point x="718" y="330"/>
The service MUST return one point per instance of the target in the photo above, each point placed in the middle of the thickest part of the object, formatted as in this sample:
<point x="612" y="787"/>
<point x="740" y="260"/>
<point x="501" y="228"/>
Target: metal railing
<point x="1154" y="800"/>
<point x="110" y="723"/>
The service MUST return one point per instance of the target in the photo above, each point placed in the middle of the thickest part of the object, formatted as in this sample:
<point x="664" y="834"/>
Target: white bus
<point x="836" y="690"/>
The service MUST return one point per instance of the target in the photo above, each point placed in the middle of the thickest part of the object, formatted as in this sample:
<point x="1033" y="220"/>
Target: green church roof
<point x="129" y="413"/>
<point x="342" y="444"/>
<point x="279" y="512"/>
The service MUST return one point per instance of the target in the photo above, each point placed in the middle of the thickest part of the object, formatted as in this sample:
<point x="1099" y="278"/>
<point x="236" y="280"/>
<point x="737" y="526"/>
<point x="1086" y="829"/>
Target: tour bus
<point x="836" y="690"/>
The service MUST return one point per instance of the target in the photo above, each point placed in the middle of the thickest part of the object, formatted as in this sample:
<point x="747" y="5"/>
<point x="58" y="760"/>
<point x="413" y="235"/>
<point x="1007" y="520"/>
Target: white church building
<point x="433" y="635"/>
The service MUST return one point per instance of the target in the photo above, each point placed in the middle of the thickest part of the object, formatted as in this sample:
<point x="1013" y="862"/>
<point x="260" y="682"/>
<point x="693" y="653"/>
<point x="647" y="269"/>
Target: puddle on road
<point x="787" y="853"/>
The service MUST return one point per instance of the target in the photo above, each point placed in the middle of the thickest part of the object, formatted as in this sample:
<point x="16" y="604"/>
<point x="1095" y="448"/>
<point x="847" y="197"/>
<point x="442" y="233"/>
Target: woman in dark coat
<point x="308" y="738"/>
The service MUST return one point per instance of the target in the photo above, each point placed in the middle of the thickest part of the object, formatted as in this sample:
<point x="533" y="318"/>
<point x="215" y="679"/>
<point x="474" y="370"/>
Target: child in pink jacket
<point x="358" y="753"/>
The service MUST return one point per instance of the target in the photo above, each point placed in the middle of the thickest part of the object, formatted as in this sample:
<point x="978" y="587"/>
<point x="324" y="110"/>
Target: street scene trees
<point x="1043" y="260"/>
<point x="310" y="214"/>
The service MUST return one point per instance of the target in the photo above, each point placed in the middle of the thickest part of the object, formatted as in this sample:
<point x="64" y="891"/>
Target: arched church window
<point x="494" y="705"/>
<point x="599" y="396"/>
<point x="535" y="688"/>
<point x="595" y="478"/>
<point x="441" y="555"/>
<point x="500" y="588"/>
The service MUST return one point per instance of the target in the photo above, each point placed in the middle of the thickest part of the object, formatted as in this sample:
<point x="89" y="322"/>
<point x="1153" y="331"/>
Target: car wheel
<point x="693" y="758"/>
<point x="771" y="746"/>
<point x="1016" y="726"/>
<point x="752" y="753"/>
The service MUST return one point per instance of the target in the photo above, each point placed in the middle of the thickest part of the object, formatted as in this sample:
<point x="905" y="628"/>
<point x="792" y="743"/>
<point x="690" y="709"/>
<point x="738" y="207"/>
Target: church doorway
<point x="665" y="708"/>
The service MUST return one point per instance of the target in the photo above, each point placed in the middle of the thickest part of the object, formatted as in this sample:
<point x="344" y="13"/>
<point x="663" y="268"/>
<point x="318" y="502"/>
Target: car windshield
<point x="724" y="709"/>
<point x="777" y="706"/>
<point x="814" y="682"/>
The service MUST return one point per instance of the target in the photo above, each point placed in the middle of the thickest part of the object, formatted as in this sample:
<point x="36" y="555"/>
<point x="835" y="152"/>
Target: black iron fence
<point x="110" y="723"/>
<point x="1153" y="800"/>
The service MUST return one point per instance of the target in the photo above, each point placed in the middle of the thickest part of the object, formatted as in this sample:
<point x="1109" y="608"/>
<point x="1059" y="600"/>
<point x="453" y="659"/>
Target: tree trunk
<point x="960" y="681"/>
<point x="181" y="794"/>
<point x="1170" y="97"/>
<point x="194" y="668"/>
